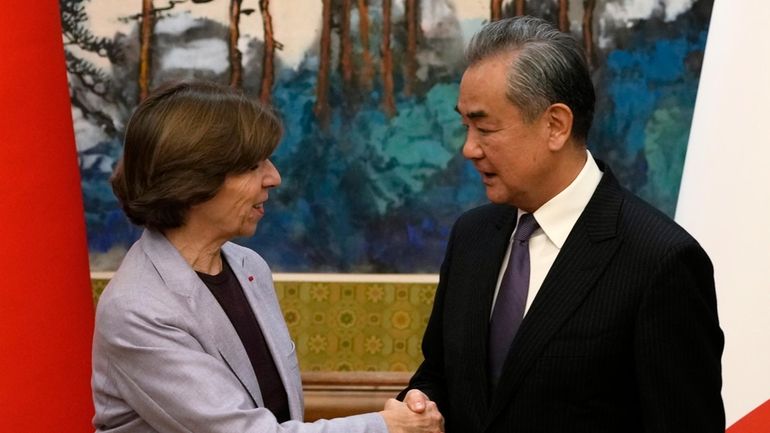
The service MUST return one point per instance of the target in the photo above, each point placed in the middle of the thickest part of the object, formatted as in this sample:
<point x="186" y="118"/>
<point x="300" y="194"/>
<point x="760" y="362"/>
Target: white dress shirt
<point x="556" y="219"/>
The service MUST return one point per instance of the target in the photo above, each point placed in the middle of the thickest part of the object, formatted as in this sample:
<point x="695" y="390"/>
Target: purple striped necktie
<point x="511" y="298"/>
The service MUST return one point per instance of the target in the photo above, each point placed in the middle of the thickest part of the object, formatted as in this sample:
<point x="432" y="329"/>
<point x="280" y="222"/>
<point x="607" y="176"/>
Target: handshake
<point x="416" y="414"/>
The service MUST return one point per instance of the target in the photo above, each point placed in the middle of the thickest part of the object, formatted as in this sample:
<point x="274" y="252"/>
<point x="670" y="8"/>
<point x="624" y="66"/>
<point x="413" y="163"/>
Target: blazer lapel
<point x="588" y="249"/>
<point x="228" y="343"/>
<point x="260" y="293"/>
<point x="180" y="278"/>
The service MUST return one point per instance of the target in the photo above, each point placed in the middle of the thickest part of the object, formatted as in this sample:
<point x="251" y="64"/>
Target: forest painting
<point x="372" y="172"/>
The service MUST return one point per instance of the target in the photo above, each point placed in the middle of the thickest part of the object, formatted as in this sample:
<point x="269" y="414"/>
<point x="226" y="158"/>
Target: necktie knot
<point x="527" y="225"/>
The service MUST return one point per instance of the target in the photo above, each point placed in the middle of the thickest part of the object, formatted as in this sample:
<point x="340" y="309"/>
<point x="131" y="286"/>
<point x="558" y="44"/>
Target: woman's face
<point x="239" y="205"/>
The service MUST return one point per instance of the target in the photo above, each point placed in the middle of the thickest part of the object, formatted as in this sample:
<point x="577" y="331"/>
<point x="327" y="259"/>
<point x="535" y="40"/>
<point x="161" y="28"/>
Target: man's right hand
<point x="401" y="419"/>
<point x="416" y="400"/>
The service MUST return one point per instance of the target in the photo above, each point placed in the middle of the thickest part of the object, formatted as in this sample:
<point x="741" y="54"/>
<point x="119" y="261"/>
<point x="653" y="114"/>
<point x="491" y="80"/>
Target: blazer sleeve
<point x="679" y="346"/>
<point x="159" y="369"/>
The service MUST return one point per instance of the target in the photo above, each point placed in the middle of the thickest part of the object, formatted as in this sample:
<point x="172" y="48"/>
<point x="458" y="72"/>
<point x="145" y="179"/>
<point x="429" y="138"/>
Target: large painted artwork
<point x="372" y="173"/>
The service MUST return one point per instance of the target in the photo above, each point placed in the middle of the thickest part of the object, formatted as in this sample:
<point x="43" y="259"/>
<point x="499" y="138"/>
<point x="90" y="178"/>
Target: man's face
<point x="510" y="154"/>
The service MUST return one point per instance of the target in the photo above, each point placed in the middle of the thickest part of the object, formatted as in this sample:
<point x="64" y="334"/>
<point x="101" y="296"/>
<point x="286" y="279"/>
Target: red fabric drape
<point x="46" y="311"/>
<point x="757" y="421"/>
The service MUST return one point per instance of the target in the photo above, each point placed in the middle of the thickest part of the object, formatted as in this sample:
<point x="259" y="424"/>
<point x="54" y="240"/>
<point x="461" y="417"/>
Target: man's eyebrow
<point x="473" y="114"/>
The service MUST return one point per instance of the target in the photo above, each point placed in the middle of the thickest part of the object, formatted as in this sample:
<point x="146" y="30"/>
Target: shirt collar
<point x="559" y="214"/>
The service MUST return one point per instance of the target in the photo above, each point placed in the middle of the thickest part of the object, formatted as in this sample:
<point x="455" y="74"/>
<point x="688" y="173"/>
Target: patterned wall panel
<point x="352" y="326"/>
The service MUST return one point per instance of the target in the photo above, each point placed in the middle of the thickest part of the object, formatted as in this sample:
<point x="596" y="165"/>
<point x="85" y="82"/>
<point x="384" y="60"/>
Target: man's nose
<point x="471" y="148"/>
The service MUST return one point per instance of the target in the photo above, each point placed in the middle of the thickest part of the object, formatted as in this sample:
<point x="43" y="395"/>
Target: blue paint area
<point x="360" y="194"/>
<point x="639" y="78"/>
<point x="368" y="193"/>
<point x="638" y="83"/>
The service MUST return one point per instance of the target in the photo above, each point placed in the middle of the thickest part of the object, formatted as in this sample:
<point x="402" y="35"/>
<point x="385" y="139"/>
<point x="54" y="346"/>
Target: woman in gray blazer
<point x="189" y="334"/>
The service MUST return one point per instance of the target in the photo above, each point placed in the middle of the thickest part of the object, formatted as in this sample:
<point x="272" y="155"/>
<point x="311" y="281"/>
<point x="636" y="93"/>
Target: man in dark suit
<point x="603" y="318"/>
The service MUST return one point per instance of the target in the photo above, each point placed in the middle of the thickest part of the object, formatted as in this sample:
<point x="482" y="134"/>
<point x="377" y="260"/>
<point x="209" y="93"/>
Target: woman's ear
<point x="559" y="118"/>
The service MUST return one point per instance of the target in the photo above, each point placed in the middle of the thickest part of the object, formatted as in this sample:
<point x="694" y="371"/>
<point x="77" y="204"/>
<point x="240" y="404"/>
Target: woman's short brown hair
<point x="181" y="143"/>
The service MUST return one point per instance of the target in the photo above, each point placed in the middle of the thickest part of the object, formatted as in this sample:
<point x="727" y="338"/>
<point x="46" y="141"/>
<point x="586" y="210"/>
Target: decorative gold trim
<point x="330" y="278"/>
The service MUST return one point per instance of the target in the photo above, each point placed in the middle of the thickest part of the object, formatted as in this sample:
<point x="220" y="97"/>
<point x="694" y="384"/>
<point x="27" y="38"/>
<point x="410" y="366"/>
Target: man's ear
<point x="559" y="118"/>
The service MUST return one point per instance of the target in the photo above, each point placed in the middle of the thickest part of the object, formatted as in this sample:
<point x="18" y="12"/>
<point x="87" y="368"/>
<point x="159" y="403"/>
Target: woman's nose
<point x="273" y="177"/>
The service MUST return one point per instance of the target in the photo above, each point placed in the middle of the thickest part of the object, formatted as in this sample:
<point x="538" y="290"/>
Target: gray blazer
<point x="167" y="359"/>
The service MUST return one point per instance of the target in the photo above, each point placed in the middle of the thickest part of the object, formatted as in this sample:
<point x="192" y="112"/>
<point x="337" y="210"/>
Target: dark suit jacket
<point x="622" y="337"/>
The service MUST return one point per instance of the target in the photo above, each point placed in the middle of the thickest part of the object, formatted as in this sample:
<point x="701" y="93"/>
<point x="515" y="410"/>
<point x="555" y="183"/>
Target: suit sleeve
<point x="158" y="368"/>
<point x="430" y="377"/>
<point x="679" y="346"/>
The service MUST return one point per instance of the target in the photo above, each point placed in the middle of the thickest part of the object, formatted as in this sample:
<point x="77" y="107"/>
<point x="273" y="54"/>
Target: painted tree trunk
<point x="321" y="108"/>
<point x="519" y="6"/>
<point x="346" y="44"/>
<point x="495" y="10"/>
<point x="236" y="68"/>
<point x="367" y="67"/>
<point x="412" y="36"/>
<point x="268" y="53"/>
<point x="564" y="15"/>
<point x="388" y="102"/>
<point x="588" y="42"/>
<point x="145" y="47"/>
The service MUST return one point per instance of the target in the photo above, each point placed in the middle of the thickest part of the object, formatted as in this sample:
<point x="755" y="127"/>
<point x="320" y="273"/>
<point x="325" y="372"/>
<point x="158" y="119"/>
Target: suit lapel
<point x="179" y="277"/>
<point x="492" y="241"/>
<point x="588" y="249"/>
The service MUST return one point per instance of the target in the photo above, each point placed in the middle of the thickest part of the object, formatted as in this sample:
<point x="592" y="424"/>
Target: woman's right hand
<point x="400" y="419"/>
